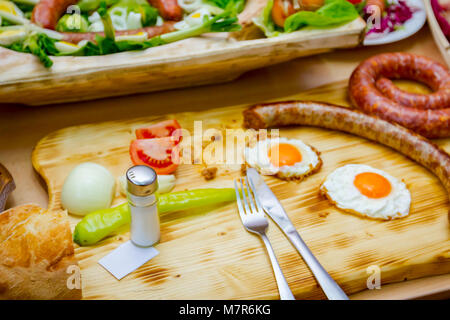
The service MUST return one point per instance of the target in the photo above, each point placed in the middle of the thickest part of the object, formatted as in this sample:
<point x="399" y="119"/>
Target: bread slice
<point x="36" y="255"/>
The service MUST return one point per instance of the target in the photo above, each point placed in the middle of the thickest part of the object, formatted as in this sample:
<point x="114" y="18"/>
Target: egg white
<point x="257" y="157"/>
<point x="340" y="190"/>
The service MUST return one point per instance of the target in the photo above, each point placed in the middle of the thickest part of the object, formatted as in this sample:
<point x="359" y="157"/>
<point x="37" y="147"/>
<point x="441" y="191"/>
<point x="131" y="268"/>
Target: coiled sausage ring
<point x="427" y="114"/>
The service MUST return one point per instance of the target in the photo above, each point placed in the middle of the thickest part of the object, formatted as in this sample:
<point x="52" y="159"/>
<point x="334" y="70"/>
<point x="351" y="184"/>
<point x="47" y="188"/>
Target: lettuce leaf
<point x="265" y="22"/>
<point x="333" y="13"/>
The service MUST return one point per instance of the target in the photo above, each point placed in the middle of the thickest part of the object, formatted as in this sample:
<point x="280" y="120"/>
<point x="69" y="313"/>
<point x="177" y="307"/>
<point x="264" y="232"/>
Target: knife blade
<point x="272" y="206"/>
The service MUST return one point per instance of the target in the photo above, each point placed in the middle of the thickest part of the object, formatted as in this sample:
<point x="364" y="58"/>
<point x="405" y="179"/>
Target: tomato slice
<point x="158" y="153"/>
<point x="158" y="130"/>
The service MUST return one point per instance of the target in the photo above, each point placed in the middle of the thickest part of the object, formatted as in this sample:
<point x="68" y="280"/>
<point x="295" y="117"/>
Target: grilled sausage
<point x="47" y="12"/>
<point x="168" y="9"/>
<point x="372" y="92"/>
<point x="412" y="145"/>
<point x="75" y="37"/>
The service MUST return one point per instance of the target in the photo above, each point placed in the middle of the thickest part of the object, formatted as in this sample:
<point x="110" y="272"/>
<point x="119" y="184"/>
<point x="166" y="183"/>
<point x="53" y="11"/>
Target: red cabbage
<point x="443" y="23"/>
<point x="396" y="15"/>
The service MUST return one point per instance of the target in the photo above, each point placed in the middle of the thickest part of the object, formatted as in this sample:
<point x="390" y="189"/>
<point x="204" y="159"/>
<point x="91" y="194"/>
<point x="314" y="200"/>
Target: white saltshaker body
<point x="142" y="184"/>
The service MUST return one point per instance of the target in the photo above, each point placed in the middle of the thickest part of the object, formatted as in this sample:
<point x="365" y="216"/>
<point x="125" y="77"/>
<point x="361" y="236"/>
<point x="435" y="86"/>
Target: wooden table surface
<point x="22" y="127"/>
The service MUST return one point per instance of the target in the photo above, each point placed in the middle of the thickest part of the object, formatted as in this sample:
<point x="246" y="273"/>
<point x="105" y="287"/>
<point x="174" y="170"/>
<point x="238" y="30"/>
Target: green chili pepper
<point x="184" y="200"/>
<point x="99" y="224"/>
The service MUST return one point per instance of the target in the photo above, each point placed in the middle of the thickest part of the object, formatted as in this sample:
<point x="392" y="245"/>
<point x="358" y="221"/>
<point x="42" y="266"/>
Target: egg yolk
<point x="284" y="154"/>
<point x="372" y="185"/>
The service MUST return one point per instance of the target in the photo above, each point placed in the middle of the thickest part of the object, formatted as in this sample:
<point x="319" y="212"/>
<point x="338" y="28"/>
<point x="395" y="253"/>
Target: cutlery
<point x="274" y="209"/>
<point x="254" y="221"/>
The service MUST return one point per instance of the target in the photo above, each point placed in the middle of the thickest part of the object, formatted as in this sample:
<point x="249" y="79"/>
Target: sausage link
<point x="75" y="37"/>
<point x="367" y="88"/>
<point x="168" y="9"/>
<point x="436" y="100"/>
<point x="47" y="12"/>
<point x="410" y="144"/>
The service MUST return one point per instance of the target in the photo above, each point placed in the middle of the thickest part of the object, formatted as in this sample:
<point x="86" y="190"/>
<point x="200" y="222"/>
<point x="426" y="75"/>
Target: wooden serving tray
<point x="439" y="37"/>
<point x="207" y="254"/>
<point x="197" y="61"/>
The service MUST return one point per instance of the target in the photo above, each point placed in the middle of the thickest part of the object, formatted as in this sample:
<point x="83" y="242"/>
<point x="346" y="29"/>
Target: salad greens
<point x="43" y="45"/>
<point x="38" y="44"/>
<point x="238" y="4"/>
<point x="332" y="13"/>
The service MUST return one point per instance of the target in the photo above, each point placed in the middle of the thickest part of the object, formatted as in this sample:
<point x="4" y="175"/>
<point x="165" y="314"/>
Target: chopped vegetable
<point x="146" y="12"/>
<point x="99" y="224"/>
<point x="91" y="5"/>
<point x="166" y="183"/>
<point x="72" y="23"/>
<point x="41" y="42"/>
<point x="395" y="16"/>
<point x="158" y="153"/>
<point x="88" y="187"/>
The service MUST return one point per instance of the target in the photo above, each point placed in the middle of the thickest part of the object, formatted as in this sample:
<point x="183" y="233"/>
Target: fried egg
<point x="288" y="159"/>
<point x="367" y="191"/>
<point x="12" y="34"/>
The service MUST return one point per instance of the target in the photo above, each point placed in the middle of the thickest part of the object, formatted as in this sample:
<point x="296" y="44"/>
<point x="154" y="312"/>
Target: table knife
<point x="275" y="210"/>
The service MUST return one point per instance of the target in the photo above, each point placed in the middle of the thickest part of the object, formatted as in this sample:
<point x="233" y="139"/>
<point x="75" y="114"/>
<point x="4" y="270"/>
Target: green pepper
<point x="185" y="200"/>
<point x="99" y="224"/>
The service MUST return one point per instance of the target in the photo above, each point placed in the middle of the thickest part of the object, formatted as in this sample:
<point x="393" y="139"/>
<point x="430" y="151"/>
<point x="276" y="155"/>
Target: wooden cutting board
<point x="207" y="254"/>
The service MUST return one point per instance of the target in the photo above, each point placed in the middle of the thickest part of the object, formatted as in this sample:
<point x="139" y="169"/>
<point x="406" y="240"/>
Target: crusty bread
<point x="36" y="253"/>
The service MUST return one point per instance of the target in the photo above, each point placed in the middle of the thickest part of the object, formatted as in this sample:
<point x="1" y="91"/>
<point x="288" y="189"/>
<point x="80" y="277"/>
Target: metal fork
<point x="254" y="221"/>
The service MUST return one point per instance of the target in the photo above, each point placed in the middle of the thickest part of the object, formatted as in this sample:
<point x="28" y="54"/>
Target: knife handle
<point x="329" y="286"/>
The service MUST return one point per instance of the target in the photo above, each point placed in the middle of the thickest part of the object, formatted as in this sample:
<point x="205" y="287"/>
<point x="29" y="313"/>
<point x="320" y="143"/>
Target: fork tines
<point x="251" y="203"/>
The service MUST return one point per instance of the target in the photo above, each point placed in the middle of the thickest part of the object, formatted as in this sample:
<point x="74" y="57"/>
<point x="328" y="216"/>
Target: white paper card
<point x="126" y="258"/>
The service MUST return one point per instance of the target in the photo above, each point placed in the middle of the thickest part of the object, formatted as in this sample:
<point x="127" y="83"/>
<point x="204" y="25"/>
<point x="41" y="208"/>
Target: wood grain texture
<point x="7" y="186"/>
<point x="207" y="254"/>
<point x="439" y="37"/>
<point x="191" y="62"/>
